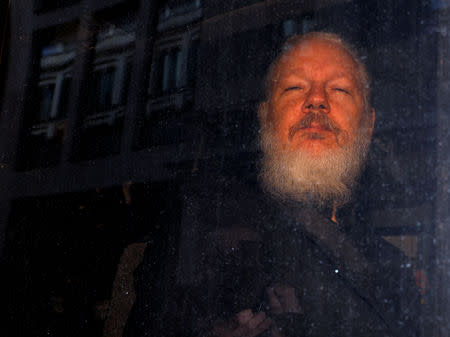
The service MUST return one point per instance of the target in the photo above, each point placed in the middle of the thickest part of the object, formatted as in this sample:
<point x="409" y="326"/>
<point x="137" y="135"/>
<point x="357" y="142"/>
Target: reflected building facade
<point x="111" y="107"/>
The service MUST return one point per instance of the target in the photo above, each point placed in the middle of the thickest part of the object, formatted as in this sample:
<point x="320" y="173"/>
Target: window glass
<point x="63" y="107"/>
<point x="104" y="84"/>
<point x="46" y="118"/>
<point x="394" y="197"/>
<point x="46" y="92"/>
<point x="172" y="76"/>
<point x="226" y="168"/>
<point x="114" y="49"/>
<point x="56" y="66"/>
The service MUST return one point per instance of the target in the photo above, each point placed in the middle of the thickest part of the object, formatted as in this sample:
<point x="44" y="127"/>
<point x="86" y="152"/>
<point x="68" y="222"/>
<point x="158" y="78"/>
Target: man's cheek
<point x="343" y="138"/>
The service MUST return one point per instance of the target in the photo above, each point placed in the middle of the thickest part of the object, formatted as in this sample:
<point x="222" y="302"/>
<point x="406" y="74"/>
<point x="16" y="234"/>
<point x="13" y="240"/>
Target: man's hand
<point x="282" y="299"/>
<point x="245" y="324"/>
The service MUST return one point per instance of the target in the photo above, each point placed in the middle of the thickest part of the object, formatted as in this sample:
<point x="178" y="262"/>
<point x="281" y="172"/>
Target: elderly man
<point x="296" y="258"/>
<point x="316" y="122"/>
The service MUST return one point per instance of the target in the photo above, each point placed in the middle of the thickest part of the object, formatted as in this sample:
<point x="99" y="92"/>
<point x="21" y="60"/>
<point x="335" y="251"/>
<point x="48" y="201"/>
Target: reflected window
<point x="114" y="50"/>
<point x="53" y="97"/>
<point x="174" y="66"/>
<point x="46" y="91"/>
<point x="175" y="52"/>
<point x="169" y="77"/>
<point x="55" y="80"/>
<point x="65" y="94"/>
<point x="46" y="118"/>
<point x="112" y="64"/>
<point x="103" y="86"/>
<point x="173" y="73"/>
<point x="110" y="85"/>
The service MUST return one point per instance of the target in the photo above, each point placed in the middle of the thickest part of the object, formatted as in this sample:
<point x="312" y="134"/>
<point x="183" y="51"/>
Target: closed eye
<point x="293" y="88"/>
<point x="342" y="90"/>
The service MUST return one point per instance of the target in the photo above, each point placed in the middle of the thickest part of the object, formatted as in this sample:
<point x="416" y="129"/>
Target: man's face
<point x="313" y="141"/>
<point x="317" y="101"/>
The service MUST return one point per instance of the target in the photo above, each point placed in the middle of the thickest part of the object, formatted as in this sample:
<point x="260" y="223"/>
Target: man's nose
<point x="316" y="100"/>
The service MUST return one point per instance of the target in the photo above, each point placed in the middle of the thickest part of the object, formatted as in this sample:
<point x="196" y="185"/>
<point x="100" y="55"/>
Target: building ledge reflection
<point x="179" y="15"/>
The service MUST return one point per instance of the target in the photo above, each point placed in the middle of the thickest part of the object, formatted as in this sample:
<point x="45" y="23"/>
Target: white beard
<point x="327" y="180"/>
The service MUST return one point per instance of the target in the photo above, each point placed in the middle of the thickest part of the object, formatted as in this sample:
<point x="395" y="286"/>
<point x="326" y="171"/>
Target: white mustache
<point x="314" y="117"/>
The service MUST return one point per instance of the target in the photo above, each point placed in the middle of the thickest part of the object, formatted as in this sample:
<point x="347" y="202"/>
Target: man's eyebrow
<point x="290" y="75"/>
<point x="345" y="77"/>
<point x="295" y="75"/>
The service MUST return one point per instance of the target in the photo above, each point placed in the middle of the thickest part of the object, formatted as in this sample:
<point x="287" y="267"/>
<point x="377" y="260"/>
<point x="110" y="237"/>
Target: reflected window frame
<point x="119" y="58"/>
<point x="170" y="85"/>
<point x="54" y="118"/>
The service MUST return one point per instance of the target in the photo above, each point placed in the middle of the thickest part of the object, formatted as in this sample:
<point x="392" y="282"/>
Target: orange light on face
<point x="317" y="100"/>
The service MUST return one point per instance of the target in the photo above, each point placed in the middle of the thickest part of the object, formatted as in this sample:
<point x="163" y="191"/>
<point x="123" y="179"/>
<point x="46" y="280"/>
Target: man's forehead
<point x="315" y="44"/>
<point x="316" y="56"/>
<point x="322" y="52"/>
<point x="302" y="73"/>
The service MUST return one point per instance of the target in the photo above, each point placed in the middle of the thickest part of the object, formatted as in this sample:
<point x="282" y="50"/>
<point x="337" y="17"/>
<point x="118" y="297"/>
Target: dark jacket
<point x="235" y="242"/>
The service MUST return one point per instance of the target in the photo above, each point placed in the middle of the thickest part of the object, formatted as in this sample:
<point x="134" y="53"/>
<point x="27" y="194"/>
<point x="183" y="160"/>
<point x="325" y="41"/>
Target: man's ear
<point x="263" y="110"/>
